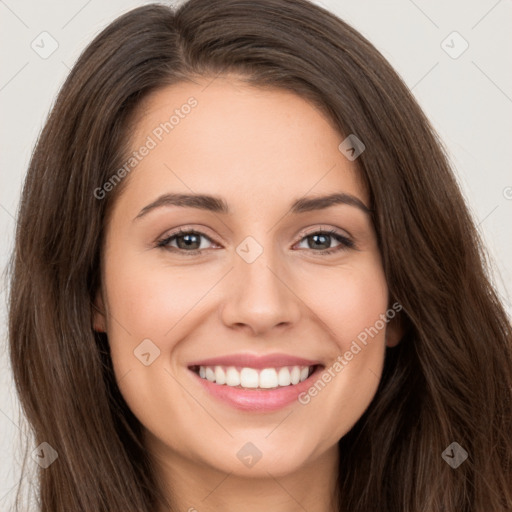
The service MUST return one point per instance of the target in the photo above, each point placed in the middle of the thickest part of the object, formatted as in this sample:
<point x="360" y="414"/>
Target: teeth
<point x="220" y="375"/>
<point x="294" y="375"/>
<point x="232" y="376"/>
<point x="210" y="374"/>
<point x="283" y="377"/>
<point x="251" y="378"/>
<point x="268" y="378"/>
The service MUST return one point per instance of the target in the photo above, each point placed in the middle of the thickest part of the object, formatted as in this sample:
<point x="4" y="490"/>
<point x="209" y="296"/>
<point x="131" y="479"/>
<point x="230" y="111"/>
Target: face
<point x="250" y="325"/>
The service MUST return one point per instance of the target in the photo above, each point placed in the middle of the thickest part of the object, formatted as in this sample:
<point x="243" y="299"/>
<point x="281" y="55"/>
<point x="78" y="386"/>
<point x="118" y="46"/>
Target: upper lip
<point x="256" y="361"/>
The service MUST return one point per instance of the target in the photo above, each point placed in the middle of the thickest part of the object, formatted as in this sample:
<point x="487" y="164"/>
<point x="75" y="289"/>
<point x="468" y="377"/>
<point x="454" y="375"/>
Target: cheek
<point x="165" y="304"/>
<point x="350" y="304"/>
<point x="157" y="301"/>
<point x="348" y="300"/>
<point x="150" y="301"/>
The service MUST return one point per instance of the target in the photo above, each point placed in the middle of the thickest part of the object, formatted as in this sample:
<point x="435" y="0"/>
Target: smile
<point x="255" y="383"/>
<point x="252" y="378"/>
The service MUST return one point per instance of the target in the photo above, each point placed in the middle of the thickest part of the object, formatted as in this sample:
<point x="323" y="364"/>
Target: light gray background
<point x="468" y="99"/>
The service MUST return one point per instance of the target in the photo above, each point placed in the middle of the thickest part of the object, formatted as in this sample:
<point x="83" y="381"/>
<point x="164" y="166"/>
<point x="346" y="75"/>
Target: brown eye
<point x="186" y="241"/>
<point x="318" y="242"/>
<point x="323" y="239"/>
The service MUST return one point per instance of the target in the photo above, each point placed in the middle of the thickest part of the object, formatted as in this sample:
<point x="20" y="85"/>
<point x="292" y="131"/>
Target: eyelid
<point x="345" y="241"/>
<point x="161" y="241"/>
<point x="202" y="230"/>
<point x="185" y="230"/>
<point x="305" y="232"/>
<point x="322" y="228"/>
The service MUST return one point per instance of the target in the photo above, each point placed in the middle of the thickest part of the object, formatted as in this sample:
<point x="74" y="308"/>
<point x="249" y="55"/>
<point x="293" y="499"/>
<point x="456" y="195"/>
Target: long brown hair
<point x="448" y="380"/>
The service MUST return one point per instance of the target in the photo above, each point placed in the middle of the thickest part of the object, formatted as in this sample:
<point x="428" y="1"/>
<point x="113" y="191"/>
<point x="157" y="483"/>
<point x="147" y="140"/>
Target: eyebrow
<point x="218" y="205"/>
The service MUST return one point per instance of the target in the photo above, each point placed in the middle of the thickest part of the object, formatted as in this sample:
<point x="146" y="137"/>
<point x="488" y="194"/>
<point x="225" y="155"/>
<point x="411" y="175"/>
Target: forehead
<point x="227" y="138"/>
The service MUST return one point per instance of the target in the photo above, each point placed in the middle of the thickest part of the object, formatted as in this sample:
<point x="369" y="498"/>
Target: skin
<point x="259" y="149"/>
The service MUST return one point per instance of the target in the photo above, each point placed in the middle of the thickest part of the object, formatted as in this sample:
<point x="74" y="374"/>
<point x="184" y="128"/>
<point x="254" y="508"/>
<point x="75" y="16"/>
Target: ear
<point x="394" y="331"/>
<point x="98" y="314"/>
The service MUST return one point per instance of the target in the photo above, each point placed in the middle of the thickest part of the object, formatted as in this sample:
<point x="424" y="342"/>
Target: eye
<point x="190" y="242"/>
<point x="323" y="239"/>
<point x="187" y="241"/>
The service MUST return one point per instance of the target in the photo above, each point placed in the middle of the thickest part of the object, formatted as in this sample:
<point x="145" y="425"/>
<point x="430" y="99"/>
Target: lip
<point x="256" y="361"/>
<point x="256" y="400"/>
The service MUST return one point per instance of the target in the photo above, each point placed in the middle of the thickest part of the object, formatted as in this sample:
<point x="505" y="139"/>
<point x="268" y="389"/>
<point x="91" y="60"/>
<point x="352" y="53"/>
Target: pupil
<point x="316" y="237"/>
<point x="187" y="241"/>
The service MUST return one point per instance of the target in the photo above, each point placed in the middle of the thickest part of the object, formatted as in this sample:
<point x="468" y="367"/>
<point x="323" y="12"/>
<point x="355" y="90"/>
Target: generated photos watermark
<point x="157" y="135"/>
<point x="343" y="360"/>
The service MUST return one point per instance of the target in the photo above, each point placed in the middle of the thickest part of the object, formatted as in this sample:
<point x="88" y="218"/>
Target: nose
<point x="260" y="295"/>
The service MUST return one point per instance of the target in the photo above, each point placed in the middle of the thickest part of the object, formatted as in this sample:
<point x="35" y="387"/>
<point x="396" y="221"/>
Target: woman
<point x="179" y="341"/>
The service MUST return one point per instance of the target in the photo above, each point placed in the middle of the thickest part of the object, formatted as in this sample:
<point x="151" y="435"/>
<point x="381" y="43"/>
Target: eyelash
<point x="345" y="243"/>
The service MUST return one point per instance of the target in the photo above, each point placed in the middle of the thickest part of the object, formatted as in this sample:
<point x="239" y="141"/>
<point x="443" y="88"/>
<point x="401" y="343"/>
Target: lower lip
<point x="258" y="400"/>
